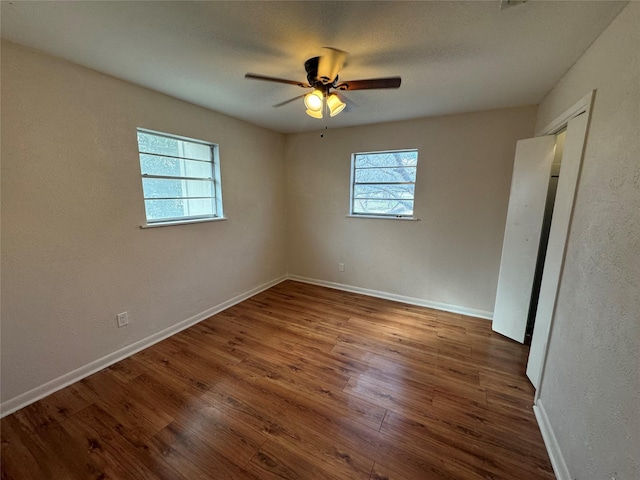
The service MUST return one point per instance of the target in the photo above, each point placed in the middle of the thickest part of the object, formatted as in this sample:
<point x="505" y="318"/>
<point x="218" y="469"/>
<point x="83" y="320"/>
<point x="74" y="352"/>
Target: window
<point x="383" y="183"/>
<point x="180" y="178"/>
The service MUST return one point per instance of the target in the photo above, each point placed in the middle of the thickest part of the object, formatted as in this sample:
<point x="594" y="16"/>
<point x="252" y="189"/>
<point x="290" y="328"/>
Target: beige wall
<point x="73" y="254"/>
<point x="591" y="386"/>
<point x="452" y="255"/>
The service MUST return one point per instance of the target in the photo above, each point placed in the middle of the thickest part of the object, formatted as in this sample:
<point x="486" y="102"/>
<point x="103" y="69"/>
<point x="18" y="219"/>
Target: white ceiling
<point x="453" y="56"/>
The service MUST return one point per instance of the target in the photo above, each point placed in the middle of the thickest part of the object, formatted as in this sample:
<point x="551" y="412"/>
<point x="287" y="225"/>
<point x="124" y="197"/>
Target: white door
<point x="569" y="171"/>
<point x="531" y="171"/>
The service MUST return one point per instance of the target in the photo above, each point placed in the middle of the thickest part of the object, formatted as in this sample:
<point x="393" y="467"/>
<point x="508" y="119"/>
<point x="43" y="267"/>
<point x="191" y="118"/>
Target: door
<point x="531" y="171"/>
<point x="562" y="210"/>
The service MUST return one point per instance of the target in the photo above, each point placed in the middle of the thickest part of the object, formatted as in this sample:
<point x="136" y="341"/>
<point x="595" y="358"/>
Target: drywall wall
<point x="450" y="256"/>
<point x="73" y="252"/>
<point x="590" y="390"/>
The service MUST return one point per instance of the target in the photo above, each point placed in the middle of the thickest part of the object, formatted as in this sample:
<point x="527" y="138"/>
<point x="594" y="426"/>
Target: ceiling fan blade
<point x="254" y="76"/>
<point x="330" y="64"/>
<point x="289" y="101"/>
<point x="390" y="82"/>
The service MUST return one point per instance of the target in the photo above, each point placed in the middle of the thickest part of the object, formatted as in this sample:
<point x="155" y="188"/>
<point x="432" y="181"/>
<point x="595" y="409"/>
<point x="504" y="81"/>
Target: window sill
<point x="182" y="222"/>
<point x="385" y="217"/>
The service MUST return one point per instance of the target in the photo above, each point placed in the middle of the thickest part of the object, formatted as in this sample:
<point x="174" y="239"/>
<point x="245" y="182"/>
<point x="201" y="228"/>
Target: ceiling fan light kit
<point x="316" y="100"/>
<point x="322" y="75"/>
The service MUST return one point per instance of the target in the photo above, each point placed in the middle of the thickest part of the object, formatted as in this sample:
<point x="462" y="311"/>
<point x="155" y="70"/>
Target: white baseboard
<point x="550" y="441"/>
<point x="472" y="312"/>
<point x="27" y="398"/>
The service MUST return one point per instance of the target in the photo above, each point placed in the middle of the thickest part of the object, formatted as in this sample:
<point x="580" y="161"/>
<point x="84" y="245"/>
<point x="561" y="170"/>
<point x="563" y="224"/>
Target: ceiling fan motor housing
<point x="311" y="67"/>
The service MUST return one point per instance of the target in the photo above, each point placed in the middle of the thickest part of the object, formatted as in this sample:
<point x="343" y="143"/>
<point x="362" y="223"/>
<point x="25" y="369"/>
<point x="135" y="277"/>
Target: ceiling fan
<point x="322" y="77"/>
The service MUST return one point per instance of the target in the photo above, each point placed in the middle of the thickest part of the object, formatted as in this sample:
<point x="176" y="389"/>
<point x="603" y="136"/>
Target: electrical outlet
<point x="123" y="319"/>
<point x="341" y="267"/>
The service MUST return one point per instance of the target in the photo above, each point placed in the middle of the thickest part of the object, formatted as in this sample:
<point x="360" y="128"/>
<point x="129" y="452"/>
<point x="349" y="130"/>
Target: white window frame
<point x="215" y="180"/>
<point x="353" y="214"/>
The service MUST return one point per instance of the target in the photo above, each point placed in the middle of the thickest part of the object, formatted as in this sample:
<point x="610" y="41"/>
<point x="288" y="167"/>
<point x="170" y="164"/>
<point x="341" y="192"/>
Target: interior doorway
<point x="576" y="125"/>
<point x="526" y="261"/>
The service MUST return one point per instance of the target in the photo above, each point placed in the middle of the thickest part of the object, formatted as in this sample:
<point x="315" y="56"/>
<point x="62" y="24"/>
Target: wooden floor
<point x="297" y="382"/>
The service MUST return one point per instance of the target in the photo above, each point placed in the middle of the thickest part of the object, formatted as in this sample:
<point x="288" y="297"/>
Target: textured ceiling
<point x="452" y="56"/>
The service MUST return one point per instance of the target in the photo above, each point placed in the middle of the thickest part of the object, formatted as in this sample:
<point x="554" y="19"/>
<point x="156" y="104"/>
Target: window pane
<point x="179" y="208"/>
<point x="383" y="207"/>
<point x="386" y="175"/>
<point x="147" y="142"/>
<point x="167" y="188"/>
<point x="197" y="151"/>
<point x="174" y="167"/>
<point x="150" y="143"/>
<point x="386" y="159"/>
<point x="200" y="206"/>
<point x="404" y="192"/>
<point x="159" y="209"/>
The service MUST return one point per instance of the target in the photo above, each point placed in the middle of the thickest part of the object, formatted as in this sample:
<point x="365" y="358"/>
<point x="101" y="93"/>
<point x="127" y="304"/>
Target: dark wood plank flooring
<point x="298" y="382"/>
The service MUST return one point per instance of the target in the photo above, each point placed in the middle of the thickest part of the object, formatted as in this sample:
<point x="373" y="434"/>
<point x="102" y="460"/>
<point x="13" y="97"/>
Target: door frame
<point x="583" y="106"/>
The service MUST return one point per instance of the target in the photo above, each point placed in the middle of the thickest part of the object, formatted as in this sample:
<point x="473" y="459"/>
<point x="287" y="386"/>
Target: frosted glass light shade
<point x="313" y="100"/>
<point x="315" y="113"/>
<point x="335" y="104"/>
